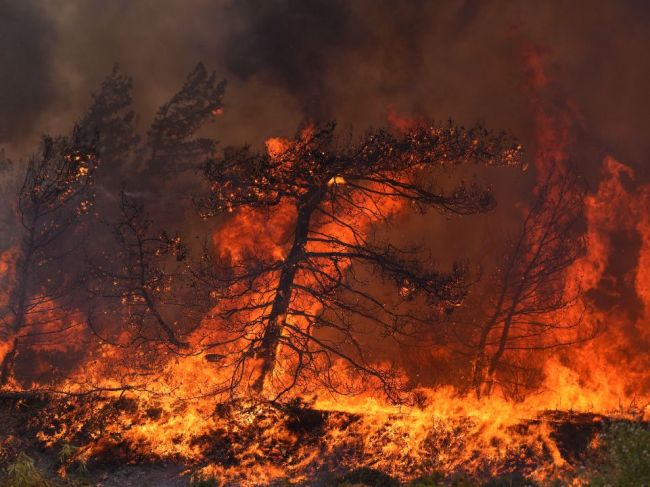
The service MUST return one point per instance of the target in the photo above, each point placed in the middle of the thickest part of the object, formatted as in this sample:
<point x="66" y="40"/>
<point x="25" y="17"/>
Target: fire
<point x="266" y="234"/>
<point x="277" y="146"/>
<point x="336" y="180"/>
<point x="218" y="407"/>
<point x="242" y="236"/>
<point x="173" y="415"/>
<point x="444" y="430"/>
<point x="614" y="211"/>
<point x="400" y="122"/>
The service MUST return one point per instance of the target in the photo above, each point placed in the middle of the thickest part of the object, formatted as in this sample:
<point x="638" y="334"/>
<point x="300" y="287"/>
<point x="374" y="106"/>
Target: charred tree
<point x="532" y="306"/>
<point x="137" y="276"/>
<point x="172" y="144"/>
<point x="54" y="196"/>
<point x="311" y="301"/>
<point x="142" y="283"/>
<point x="111" y="116"/>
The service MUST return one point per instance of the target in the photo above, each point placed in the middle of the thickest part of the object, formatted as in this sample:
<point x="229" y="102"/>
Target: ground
<point x="283" y="437"/>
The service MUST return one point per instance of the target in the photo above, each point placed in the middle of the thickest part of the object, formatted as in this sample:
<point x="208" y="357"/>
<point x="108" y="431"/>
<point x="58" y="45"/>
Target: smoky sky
<point x="289" y="43"/>
<point x="25" y="84"/>
<point x="354" y="61"/>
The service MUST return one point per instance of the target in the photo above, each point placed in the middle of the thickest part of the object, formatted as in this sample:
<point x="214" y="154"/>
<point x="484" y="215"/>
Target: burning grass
<point x="81" y="439"/>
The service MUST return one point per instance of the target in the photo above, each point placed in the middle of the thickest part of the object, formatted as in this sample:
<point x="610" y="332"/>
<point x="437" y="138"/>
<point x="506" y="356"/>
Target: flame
<point x="175" y="414"/>
<point x="444" y="430"/>
<point x="401" y="123"/>
<point x="613" y="211"/>
<point x="336" y="180"/>
<point x="267" y="233"/>
<point x="255" y="232"/>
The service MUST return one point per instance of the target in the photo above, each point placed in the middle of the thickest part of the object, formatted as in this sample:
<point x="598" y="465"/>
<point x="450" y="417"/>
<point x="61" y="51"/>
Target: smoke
<point x="355" y="62"/>
<point x="290" y="43"/>
<point x="352" y="61"/>
<point x="287" y="60"/>
<point x="25" y="60"/>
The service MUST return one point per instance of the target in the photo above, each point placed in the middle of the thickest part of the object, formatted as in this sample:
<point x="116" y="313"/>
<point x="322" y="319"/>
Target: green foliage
<point x="66" y="452"/>
<point x="66" y="456"/>
<point x="627" y="456"/>
<point x="23" y="473"/>
<point x="199" y="481"/>
<point x="433" y="480"/>
<point x="368" y="476"/>
<point x="510" y="480"/>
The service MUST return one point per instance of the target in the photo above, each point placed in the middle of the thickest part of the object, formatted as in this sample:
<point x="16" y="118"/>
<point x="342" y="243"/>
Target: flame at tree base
<point x="256" y="444"/>
<point x="545" y="437"/>
<point x="176" y="417"/>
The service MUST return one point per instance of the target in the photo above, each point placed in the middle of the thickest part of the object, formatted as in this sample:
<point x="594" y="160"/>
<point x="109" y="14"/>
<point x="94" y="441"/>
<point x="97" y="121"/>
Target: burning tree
<point x="305" y="306"/>
<point x="47" y="271"/>
<point x="531" y="306"/>
<point x="172" y="142"/>
<point x="137" y="281"/>
<point x="50" y="204"/>
<point x="137" y="277"/>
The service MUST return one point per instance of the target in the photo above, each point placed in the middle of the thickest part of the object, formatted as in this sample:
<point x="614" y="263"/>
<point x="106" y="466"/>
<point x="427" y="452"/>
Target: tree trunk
<point x="8" y="363"/>
<point x="478" y="370"/>
<point x="267" y="351"/>
<point x="481" y="360"/>
<point x="19" y="309"/>
<point x="496" y="358"/>
<point x="482" y="380"/>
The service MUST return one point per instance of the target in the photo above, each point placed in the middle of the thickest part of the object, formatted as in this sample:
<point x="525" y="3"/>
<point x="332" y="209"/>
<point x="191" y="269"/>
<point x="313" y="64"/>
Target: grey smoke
<point x="25" y="66"/>
<point x="350" y="60"/>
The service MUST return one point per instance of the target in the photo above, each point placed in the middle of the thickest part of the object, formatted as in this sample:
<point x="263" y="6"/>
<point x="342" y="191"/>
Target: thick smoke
<point x="26" y="35"/>
<point x="290" y="43"/>
<point x="353" y="61"/>
<point x="287" y="60"/>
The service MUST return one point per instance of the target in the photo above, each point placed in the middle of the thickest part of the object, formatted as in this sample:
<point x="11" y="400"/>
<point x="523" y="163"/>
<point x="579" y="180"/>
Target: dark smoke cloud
<point x="354" y="61"/>
<point x="350" y="60"/>
<point x="290" y="43"/>
<point x="25" y="63"/>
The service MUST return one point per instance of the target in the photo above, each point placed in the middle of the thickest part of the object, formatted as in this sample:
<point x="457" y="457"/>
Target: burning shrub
<point x="627" y="456"/>
<point x="298" y="287"/>
<point x="298" y="306"/>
